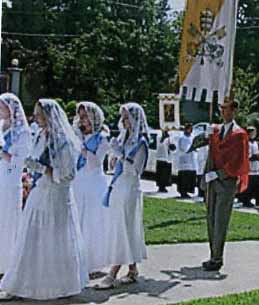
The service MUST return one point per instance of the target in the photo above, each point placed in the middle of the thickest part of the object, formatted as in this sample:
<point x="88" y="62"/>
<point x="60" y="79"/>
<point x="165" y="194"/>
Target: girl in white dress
<point x="90" y="182"/>
<point x="15" y="148"/>
<point x="49" y="258"/>
<point x="125" y="233"/>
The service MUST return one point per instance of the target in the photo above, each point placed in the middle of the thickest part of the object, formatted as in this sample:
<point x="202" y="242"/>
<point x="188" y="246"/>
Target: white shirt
<point x="186" y="161"/>
<point x="254" y="165"/>
<point x="227" y="127"/>
<point x="162" y="153"/>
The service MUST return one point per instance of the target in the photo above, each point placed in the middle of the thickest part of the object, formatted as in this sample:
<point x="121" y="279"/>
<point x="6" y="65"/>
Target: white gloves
<point x="210" y="176"/>
<point x="35" y="166"/>
<point x="209" y="131"/>
<point x="115" y="146"/>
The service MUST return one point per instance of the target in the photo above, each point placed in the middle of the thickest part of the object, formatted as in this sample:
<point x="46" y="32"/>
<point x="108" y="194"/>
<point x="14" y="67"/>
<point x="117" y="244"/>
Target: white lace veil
<point x="137" y="120"/>
<point x="63" y="144"/>
<point x="18" y="119"/>
<point x="95" y="115"/>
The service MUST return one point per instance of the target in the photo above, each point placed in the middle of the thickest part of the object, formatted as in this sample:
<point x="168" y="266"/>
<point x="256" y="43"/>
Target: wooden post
<point x="210" y="161"/>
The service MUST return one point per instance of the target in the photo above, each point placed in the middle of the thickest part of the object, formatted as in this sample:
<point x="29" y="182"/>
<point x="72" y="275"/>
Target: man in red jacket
<point x="227" y="175"/>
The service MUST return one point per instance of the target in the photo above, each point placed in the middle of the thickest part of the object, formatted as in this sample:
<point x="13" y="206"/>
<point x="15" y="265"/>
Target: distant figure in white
<point x="163" y="162"/>
<point x="125" y="233"/>
<point x="15" y="145"/>
<point x="49" y="260"/>
<point x="90" y="182"/>
<point x="187" y="163"/>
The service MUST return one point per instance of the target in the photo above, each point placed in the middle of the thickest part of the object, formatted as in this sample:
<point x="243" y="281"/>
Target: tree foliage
<point x="245" y="90"/>
<point x="119" y="52"/>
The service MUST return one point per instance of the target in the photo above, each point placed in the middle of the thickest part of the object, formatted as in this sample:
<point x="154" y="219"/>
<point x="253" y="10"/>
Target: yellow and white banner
<point x="208" y="39"/>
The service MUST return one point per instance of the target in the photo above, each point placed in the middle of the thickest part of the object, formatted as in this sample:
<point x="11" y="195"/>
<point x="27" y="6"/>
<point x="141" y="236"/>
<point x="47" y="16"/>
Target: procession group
<point x="73" y="224"/>
<point x="174" y="156"/>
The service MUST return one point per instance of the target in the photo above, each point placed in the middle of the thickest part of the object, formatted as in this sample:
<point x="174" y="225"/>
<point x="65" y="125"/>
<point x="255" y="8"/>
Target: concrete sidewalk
<point x="173" y="274"/>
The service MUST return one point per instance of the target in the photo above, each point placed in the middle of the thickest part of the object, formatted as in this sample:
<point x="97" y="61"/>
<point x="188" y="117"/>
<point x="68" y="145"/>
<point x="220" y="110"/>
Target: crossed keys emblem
<point x="206" y="44"/>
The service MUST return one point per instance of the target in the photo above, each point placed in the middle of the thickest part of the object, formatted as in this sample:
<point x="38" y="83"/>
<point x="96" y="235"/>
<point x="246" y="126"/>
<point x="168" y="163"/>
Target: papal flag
<point x="208" y="39"/>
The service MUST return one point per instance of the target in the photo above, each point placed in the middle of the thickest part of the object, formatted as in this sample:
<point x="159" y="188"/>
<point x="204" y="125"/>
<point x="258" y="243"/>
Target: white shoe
<point x="199" y="199"/>
<point x="107" y="283"/>
<point x="130" y="278"/>
<point x="5" y="296"/>
<point x="237" y="205"/>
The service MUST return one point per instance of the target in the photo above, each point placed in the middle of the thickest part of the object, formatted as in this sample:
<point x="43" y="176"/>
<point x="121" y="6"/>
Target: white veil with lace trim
<point x="63" y="144"/>
<point x="19" y="124"/>
<point x="137" y="120"/>
<point x="95" y="115"/>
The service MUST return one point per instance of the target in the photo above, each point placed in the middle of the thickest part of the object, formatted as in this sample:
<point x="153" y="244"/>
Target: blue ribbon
<point x="44" y="160"/>
<point x="8" y="142"/>
<point x="119" y="167"/>
<point x="91" y="145"/>
<point x="117" y="172"/>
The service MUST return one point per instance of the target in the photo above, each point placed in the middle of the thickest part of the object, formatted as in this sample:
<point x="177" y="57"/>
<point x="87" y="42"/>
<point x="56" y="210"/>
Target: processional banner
<point x="206" y="58"/>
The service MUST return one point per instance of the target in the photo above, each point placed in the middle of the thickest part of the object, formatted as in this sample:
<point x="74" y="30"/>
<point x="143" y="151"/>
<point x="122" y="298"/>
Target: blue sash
<point x="119" y="167"/>
<point x="8" y="142"/>
<point x="44" y="160"/>
<point x="91" y="145"/>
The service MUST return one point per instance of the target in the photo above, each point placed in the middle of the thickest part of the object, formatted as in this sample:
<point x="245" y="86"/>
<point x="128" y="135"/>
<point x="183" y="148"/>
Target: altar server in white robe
<point x="125" y="244"/>
<point x="15" y="145"/>
<point x="90" y="182"/>
<point x="49" y="260"/>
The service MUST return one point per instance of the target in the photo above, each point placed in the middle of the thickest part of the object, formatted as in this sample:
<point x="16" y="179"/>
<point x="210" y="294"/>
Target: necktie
<point x="222" y="131"/>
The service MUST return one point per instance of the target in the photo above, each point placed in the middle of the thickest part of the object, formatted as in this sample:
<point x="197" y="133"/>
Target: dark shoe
<point x="212" y="265"/>
<point x="162" y="190"/>
<point x="248" y="205"/>
<point x="185" y="196"/>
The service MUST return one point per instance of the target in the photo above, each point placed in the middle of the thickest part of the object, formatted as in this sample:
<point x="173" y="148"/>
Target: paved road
<point x="173" y="273"/>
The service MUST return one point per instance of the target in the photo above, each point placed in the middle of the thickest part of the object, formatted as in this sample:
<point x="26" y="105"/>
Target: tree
<point x="247" y="46"/>
<point x="245" y="90"/>
<point x="119" y="53"/>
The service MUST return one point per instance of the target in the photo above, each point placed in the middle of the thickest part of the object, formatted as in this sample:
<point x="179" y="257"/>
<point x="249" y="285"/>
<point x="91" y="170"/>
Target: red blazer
<point x="231" y="154"/>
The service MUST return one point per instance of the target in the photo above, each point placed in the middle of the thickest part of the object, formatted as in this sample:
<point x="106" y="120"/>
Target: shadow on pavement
<point x="145" y="286"/>
<point x="194" y="273"/>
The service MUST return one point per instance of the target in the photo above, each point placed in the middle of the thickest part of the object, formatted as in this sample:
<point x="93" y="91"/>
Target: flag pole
<point x="1" y="11"/>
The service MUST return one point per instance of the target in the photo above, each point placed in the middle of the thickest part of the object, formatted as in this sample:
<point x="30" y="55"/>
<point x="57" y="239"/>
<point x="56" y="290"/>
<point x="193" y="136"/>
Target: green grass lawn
<point x="247" y="298"/>
<point x="170" y="221"/>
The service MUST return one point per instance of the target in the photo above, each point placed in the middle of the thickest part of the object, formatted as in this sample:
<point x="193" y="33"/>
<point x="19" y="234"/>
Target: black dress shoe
<point x="212" y="265"/>
<point x="185" y="196"/>
<point x="162" y="190"/>
<point x="248" y="205"/>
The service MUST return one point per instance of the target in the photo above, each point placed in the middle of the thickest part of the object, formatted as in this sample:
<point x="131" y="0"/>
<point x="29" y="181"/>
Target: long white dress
<point x="11" y="197"/>
<point x="49" y="257"/>
<point x="125" y="242"/>
<point x="89" y="187"/>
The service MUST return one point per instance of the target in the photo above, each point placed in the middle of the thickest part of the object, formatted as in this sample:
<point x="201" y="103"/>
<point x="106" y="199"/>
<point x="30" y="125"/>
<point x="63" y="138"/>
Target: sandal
<point x="4" y="296"/>
<point x="96" y="275"/>
<point x="107" y="283"/>
<point x="130" y="278"/>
